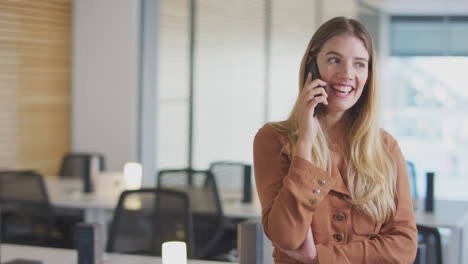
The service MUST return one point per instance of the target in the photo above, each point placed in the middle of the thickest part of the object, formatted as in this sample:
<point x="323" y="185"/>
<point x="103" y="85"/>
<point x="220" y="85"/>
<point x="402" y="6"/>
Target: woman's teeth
<point x="342" y="89"/>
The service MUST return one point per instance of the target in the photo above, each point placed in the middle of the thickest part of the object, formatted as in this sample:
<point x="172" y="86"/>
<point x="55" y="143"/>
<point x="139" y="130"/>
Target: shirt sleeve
<point x="289" y="192"/>
<point x="397" y="239"/>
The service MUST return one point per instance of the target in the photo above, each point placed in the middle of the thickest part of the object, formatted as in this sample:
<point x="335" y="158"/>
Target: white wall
<point x="105" y="79"/>
<point x="333" y="8"/>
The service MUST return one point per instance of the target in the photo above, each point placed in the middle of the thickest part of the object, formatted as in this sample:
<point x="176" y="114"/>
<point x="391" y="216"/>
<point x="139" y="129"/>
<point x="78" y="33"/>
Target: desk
<point x="454" y="216"/>
<point x="69" y="256"/>
<point x="99" y="206"/>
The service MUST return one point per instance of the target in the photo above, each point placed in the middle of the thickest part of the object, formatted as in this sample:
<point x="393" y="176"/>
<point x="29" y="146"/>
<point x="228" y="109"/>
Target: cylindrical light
<point x="174" y="252"/>
<point x="133" y="172"/>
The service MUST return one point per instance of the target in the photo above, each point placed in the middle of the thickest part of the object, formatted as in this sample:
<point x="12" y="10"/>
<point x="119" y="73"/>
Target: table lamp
<point x="133" y="172"/>
<point x="174" y="252"/>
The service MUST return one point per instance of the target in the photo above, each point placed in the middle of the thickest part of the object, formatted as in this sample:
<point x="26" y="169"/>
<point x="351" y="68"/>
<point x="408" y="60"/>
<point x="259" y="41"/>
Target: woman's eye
<point x="334" y="60"/>
<point x="361" y="65"/>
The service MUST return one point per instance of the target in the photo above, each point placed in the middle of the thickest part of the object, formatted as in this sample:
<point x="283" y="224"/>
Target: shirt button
<point x="322" y="182"/>
<point x="338" y="237"/>
<point x="339" y="217"/>
<point x="313" y="201"/>
<point x="316" y="191"/>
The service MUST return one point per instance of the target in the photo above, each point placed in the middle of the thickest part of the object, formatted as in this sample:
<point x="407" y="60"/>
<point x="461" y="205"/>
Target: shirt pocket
<point x="362" y="224"/>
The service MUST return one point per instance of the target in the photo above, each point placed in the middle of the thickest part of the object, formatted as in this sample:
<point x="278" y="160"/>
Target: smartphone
<point x="313" y="68"/>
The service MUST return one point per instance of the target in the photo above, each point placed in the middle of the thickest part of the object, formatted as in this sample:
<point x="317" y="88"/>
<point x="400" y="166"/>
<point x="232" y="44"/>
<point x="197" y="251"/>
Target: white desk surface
<point x="69" y="256"/>
<point x="66" y="192"/>
<point x="446" y="214"/>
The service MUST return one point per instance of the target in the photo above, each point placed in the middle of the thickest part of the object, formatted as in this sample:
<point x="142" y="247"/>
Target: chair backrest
<point x="27" y="215"/>
<point x="235" y="177"/>
<point x="431" y="249"/>
<point x="412" y="179"/>
<point x="146" y="218"/>
<point x="78" y="164"/>
<point x="208" y="217"/>
<point x="421" y="254"/>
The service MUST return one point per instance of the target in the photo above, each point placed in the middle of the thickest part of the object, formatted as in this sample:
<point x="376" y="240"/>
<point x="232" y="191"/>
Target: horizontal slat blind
<point x="229" y="79"/>
<point x="293" y="24"/>
<point x="35" y="40"/>
<point x="173" y="78"/>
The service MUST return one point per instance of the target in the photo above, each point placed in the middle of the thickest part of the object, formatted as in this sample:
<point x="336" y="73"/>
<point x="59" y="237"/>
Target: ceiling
<point x="420" y="7"/>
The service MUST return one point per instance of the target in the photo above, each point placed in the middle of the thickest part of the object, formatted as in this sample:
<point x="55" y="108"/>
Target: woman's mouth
<point x="341" y="90"/>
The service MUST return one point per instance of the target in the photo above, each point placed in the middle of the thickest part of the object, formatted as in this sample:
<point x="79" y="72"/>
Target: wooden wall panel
<point x="35" y="51"/>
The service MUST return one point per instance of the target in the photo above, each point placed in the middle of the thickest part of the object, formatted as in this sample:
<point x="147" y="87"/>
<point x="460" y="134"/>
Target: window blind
<point x="229" y="79"/>
<point x="292" y="25"/>
<point x="34" y="81"/>
<point x="173" y="94"/>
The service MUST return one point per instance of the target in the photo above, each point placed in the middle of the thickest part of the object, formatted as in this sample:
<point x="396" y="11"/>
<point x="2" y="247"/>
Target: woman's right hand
<point x="306" y="253"/>
<point x="311" y="95"/>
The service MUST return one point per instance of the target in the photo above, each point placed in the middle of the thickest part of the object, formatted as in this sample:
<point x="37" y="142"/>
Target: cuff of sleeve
<point x="308" y="182"/>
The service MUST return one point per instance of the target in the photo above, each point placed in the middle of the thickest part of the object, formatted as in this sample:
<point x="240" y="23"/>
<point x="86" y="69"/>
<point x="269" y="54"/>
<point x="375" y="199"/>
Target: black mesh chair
<point x="208" y="217"/>
<point x="27" y="215"/>
<point x="235" y="181"/>
<point x="78" y="164"/>
<point x="412" y="178"/>
<point x="429" y="246"/>
<point x="234" y="176"/>
<point x="146" y="218"/>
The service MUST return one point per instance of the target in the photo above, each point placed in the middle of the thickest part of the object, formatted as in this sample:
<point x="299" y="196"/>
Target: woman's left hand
<point x="306" y="253"/>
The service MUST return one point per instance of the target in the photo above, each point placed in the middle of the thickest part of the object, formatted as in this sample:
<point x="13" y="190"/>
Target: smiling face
<point x="343" y="62"/>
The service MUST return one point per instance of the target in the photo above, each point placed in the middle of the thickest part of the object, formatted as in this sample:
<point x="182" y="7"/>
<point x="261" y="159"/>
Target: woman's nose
<point x="346" y="71"/>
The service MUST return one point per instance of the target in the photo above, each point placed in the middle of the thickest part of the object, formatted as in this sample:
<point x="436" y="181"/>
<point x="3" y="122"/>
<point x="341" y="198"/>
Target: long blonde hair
<point x="371" y="172"/>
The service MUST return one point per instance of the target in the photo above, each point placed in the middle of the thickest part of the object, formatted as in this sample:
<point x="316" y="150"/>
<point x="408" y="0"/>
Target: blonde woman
<point x="332" y="184"/>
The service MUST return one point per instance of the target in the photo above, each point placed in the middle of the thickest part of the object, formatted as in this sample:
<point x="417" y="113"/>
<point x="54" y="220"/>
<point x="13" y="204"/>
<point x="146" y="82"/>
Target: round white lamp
<point x="174" y="252"/>
<point x="133" y="172"/>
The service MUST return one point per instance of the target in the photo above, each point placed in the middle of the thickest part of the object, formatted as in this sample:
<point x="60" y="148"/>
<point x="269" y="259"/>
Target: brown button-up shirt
<point x="295" y="194"/>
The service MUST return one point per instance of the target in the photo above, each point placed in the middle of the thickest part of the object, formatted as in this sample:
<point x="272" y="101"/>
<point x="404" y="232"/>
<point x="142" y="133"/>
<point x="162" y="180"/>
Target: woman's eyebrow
<point x="361" y="58"/>
<point x="338" y="54"/>
<point x="333" y="53"/>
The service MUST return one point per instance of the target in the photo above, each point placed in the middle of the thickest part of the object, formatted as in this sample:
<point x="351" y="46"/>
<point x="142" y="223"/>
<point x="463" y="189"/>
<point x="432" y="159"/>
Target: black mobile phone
<point x="313" y="68"/>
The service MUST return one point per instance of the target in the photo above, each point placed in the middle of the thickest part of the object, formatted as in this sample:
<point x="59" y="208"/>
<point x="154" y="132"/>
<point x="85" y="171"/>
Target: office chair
<point x="429" y="246"/>
<point x="79" y="164"/>
<point x="146" y="218"/>
<point x="208" y="217"/>
<point x="421" y="254"/>
<point x="235" y="176"/>
<point x="27" y="215"/>
<point x="235" y="179"/>
<point x="412" y="179"/>
<point x="82" y="166"/>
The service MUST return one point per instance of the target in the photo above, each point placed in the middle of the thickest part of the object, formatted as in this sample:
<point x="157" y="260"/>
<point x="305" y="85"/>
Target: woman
<point x="332" y="184"/>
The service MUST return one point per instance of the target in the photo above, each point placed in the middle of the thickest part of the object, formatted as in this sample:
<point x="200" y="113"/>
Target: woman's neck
<point x="335" y="127"/>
